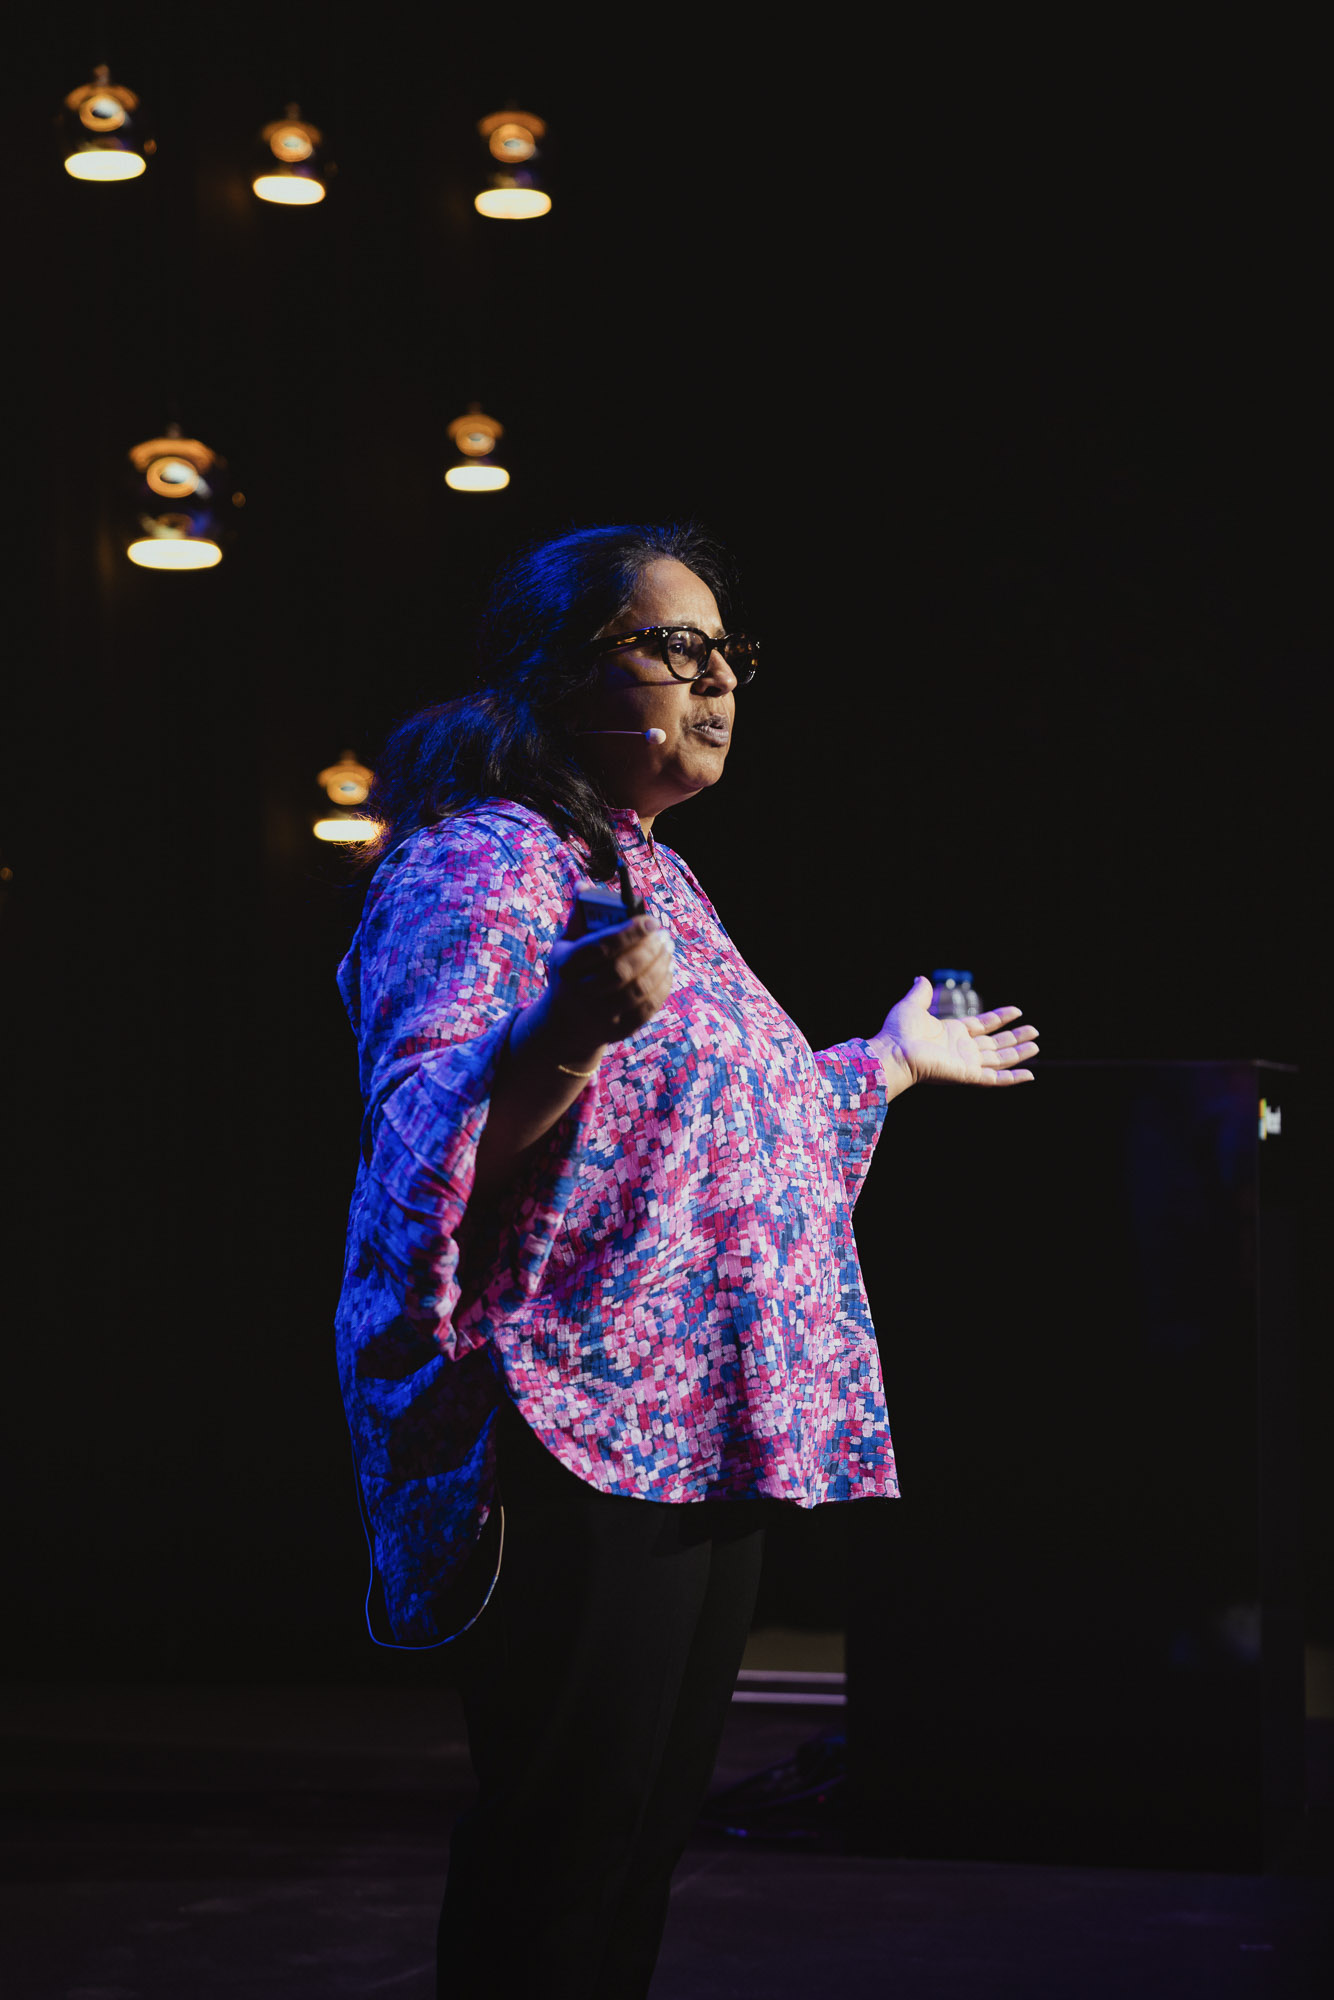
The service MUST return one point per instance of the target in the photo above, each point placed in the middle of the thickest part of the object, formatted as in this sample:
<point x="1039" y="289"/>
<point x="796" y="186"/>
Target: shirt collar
<point x="628" y="830"/>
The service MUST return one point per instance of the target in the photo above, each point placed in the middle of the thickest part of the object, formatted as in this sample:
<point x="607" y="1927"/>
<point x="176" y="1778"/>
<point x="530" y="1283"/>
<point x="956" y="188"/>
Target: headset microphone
<point x="647" y="735"/>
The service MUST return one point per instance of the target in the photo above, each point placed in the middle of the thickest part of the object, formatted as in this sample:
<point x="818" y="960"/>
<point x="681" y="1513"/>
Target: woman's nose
<point x="717" y="669"/>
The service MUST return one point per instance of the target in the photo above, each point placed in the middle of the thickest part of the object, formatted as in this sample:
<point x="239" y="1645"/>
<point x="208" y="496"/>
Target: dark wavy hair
<point x="509" y="737"/>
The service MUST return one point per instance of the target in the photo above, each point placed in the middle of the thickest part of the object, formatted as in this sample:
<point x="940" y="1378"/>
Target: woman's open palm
<point x="982" y="1048"/>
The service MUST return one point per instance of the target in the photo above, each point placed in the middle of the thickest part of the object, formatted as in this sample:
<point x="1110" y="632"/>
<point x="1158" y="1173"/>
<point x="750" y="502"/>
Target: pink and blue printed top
<point x="671" y="1294"/>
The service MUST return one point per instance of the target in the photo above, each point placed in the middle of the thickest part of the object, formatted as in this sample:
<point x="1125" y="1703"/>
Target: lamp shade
<point x="476" y="469"/>
<point x="291" y="173"/>
<point x="514" y="191"/>
<point x="101" y="140"/>
<point x="176" y="485"/>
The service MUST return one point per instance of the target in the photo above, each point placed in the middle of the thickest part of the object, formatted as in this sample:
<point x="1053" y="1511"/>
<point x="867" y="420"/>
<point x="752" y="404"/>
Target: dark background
<point x="994" y="362"/>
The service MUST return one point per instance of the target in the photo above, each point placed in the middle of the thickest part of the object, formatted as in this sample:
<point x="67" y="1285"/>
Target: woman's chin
<point x="698" y="768"/>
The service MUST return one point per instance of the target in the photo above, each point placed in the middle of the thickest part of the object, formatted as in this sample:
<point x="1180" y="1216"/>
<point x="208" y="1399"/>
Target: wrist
<point x="897" y="1069"/>
<point x="564" y="1045"/>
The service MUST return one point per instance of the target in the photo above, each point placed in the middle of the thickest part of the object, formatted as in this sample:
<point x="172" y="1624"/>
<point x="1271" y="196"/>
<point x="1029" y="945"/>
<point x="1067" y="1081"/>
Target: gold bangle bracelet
<point x="576" y="1072"/>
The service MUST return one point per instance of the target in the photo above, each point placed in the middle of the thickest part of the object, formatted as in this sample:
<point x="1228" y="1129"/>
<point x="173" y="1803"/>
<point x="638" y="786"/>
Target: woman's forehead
<point x="670" y="594"/>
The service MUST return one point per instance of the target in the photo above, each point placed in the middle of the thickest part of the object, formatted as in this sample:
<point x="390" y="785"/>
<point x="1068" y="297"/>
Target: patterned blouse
<point x="670" y="1295"/>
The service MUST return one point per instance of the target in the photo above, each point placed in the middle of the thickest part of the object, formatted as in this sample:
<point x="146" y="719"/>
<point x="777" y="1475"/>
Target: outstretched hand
<point x="915" y="1047"/>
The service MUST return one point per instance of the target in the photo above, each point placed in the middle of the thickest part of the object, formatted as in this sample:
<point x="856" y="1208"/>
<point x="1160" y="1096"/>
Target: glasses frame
<point x="662" y="633"/>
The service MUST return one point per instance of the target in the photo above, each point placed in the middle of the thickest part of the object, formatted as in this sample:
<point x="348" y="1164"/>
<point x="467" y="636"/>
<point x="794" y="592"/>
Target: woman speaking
<point x="602" y="1311"/>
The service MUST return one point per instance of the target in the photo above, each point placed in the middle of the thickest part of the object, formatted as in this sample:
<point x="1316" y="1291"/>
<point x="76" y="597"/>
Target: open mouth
<point x="712" y="728"/>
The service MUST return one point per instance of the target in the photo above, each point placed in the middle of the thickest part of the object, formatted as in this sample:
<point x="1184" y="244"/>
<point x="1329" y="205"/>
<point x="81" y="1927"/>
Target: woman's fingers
<point x="608" y="944"/>
<point x="612" y="982"/>
<point x="1007" y="1058"/>
<point x="995" y="1017"/>
<point x="642" y="962"/>
<point x="1007" y="1040"/>
<point x="640" y="1000"/>
<point x="630" y="977"/>
<point x="1007" y="1048"/>
<point x="1010" y="1039"/>
<point x="610" y="958"/>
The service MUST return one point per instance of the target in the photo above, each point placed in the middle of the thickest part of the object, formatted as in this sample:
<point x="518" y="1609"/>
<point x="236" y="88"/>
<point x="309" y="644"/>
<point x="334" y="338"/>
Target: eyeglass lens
<point x="688" y="654"/>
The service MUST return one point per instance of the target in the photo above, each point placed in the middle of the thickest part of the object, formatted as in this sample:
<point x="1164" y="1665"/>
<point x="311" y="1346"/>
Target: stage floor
<point x="289" y="1844"/>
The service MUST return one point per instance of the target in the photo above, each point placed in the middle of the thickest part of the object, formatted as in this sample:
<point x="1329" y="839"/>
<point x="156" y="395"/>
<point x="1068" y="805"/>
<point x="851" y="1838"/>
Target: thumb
<point x="921" y="990"/>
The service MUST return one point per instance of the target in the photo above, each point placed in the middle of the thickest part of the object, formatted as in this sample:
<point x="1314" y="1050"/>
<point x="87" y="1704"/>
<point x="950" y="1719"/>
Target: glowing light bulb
<point x="512" y="204"/>
<point x="168" y="552"/>
<point x="347" y="830"/>
<point x="291" y="190"/>
<point x="477" y="478"/>
<point x="97" y="164"/>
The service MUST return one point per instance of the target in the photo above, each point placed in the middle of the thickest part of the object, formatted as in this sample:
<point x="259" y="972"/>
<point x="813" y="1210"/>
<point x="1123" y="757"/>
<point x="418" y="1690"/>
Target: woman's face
<point x="635" y="692"/>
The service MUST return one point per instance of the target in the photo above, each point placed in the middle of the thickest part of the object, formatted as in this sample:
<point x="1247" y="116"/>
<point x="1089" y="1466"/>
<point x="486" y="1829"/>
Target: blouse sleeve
<point x="856" y="1099"/>
<point x="454" y="945"/>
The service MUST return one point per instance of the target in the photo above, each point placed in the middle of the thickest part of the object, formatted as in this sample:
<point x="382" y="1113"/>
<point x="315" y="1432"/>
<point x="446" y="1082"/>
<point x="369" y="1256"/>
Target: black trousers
<point x="595" y="1684"/>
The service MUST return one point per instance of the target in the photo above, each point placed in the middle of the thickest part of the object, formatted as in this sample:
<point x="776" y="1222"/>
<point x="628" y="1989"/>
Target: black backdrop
<point x="994" y="364"/>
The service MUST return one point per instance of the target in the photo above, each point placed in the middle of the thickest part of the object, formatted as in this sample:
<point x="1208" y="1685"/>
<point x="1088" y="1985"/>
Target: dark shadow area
<point x="292" y="1842"/>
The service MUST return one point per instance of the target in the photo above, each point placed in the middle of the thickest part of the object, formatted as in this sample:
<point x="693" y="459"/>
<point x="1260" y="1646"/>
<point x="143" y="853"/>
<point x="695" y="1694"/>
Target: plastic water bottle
<point x="952" y="995"/>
